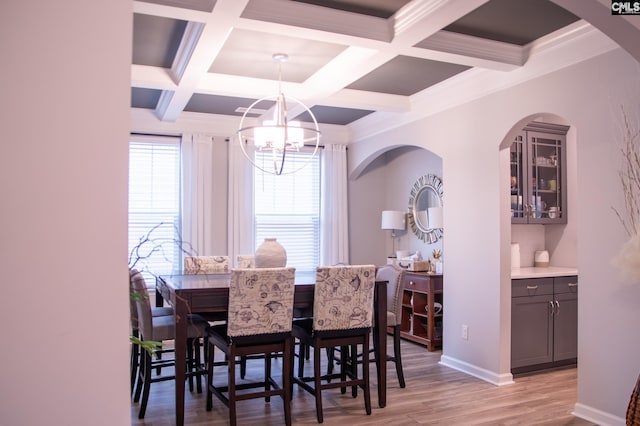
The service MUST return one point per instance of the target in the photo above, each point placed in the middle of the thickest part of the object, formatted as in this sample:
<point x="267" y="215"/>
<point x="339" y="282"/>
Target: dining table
<point x="209" y="293"/>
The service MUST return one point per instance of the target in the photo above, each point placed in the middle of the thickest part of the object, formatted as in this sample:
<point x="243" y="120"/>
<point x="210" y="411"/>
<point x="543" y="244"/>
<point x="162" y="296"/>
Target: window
<point x="154" y="204"/>
<point x="287" y="207"/>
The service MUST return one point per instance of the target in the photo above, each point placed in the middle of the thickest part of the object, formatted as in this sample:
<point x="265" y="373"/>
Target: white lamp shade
<point x="392" y="219"/>
<point x="435" y="217"/>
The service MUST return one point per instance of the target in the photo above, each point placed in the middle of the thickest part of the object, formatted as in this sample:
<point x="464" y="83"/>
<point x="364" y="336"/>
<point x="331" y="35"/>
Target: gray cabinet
<point x="538" y="174"/>
<point x="544" y="323"/>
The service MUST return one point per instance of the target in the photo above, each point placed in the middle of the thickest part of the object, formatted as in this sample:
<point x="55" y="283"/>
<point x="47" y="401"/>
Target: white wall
<point x="477" y="284"/>
<point x="63" y="183"/>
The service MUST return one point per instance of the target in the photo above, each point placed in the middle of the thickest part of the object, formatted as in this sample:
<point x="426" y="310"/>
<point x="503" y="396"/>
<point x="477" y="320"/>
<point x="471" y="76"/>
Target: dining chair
<point x="159" y="329"/>
<point x="394" y="275"/>
<point x="342" y="317"/>
<point x="245" y="261"/>
<point x="133" y="315"/>
<point x="259" y="322"/>
<point x="206" y="265"/>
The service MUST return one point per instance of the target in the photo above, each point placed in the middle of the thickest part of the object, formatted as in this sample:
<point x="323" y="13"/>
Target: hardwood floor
<point x="435" y="395"/>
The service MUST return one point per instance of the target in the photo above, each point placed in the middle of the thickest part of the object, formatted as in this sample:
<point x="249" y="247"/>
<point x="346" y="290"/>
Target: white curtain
<point x="197" y="218"/>
<point x="240" y="208"/>
<point x="334" y="229"/>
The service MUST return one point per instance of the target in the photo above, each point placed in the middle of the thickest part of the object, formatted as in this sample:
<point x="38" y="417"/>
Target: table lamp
<point x="393" y="220"/>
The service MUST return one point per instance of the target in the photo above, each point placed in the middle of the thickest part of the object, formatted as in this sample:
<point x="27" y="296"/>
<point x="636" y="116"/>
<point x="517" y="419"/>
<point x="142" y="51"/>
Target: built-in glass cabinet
<point x="538" y="174"/>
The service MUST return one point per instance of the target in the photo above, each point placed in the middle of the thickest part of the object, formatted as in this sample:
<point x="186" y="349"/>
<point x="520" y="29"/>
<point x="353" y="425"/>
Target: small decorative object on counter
<point x="271" y="254"/>
<point x="541" y="259"/>
<point x="437" y="261"/>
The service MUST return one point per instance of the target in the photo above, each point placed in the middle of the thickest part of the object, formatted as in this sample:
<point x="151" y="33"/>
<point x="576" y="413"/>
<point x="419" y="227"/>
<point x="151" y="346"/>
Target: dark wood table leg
<point x="181" y="313"/>
<point x="380" y="340"/>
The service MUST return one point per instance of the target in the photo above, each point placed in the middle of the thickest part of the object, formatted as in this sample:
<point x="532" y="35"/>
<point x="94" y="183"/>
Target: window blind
<point x="287" y="207"/>
<point x="154" y="204"/>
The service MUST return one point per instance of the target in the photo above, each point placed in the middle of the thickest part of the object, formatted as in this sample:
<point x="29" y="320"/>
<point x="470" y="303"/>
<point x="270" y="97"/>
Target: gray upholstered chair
<point x="133" y="315"/>
<point x="206" y="265"/>
<point x="159" y="329"/>
<point x="259" y="323"/>
<point x="394" y="275"/>
<point x="342" y="317"/>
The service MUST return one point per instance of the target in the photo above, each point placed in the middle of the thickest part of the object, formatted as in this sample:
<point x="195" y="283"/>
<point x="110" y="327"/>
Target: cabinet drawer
<point x="565" y="285"/>
<point x="531" y="287"/>
<point x="421" y="283"/>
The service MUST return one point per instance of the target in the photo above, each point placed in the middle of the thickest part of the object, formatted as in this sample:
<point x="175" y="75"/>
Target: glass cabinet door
<point x="538" y="175"/>
<point x="546" y="189"/>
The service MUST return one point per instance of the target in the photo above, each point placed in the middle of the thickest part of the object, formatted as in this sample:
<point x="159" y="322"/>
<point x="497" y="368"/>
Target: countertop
<point x="551" y="271"/>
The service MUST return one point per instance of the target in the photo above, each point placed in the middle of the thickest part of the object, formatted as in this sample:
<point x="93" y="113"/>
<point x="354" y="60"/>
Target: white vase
<point x="270" y="254"/>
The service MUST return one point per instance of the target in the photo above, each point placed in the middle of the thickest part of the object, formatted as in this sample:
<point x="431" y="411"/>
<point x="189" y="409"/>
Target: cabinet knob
<point x="572" y="284"/>
<point x="411" y="283"/>
<point x="532" y="287"/>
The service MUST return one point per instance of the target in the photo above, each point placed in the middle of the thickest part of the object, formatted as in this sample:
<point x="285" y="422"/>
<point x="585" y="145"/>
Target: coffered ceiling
<point x="348" y="59"/>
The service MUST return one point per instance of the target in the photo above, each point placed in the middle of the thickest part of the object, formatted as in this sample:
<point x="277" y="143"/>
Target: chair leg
<point x="198" y="366"/>
<point x="243" y="366"/>
<point x="140" y="378"/>
<point x="354" y="368"/>
<point x="301" y="351"/>
<point x="135" y="363"/>
<point x="190" y="365"/>
<point x="330" y="359"/>
<point x="287" y="383"/>
<point x="146" y="379"/>
<point x="365" y="377"/>
<point x="317" y="383"/>
<point x="267" y="376"/>
<point x="210" y="364"/>
<point x="397" y="356"/>
<point x="232" y="390"/>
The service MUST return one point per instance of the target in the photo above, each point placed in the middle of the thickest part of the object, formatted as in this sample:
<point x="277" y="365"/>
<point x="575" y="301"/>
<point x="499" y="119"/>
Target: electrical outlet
<point x="465" y="332"/>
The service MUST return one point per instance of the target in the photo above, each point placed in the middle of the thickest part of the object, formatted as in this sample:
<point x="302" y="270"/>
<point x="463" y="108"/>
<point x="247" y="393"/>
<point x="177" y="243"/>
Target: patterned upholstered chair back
<point x="343" y="297"/>
<point x="246" y="261"/>
<point x="206" y="265"/>
<point x="260" y="301"/>
<point x="395" y="277"/>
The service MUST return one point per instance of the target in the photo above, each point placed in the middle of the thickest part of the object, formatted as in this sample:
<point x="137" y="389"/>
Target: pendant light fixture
<point x="278" y="135"/>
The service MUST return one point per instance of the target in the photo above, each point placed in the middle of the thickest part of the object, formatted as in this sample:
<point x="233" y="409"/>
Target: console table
<point x="420" y="323"/>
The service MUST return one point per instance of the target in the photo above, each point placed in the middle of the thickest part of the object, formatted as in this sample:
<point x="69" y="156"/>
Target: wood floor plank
<point x="435" y="395"/>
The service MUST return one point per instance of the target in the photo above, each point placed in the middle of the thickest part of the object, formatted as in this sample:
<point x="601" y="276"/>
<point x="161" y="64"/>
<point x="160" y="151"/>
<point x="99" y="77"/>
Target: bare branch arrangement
<point x="630" y="176"/>
<point x="149" y="245"/>
<point x="628" y="258"/>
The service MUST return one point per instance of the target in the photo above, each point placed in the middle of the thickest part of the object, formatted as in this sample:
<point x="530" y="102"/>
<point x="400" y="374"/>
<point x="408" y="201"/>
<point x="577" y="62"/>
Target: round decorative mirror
<point x="425" y="208"/>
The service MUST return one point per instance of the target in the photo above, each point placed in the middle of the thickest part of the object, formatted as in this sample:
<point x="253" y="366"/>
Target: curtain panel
<point x="197" y="195"/>
<point x="240" y="204"/>
<point x="334" y="220"/>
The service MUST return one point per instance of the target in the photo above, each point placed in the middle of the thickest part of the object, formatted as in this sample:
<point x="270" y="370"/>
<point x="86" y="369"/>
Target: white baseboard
<point x="597" y="416"/>
<point x="475" y="371"/>
<point x="580" y="410"/>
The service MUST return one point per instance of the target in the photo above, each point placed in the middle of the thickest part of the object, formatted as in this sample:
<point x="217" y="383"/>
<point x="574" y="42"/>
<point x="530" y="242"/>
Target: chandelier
<point x="278" y="135"/>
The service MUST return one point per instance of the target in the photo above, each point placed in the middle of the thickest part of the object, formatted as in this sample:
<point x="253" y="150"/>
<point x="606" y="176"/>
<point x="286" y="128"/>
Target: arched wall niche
<point x="559" y="240"/>
<point x="383" y="182"/>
